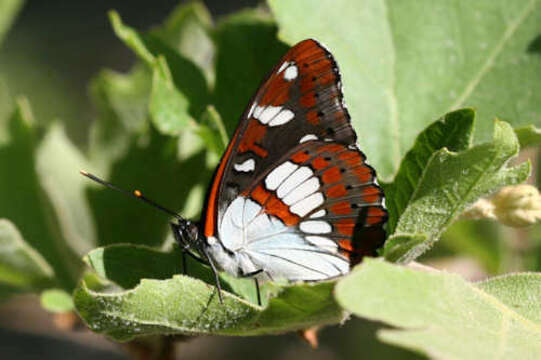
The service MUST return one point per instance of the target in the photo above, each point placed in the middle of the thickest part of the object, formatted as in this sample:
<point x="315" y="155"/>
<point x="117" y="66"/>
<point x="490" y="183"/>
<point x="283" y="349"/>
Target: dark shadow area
<point x="155" y="171"/>
<point x="535" y="45"/>
<point x="25" y="346"/>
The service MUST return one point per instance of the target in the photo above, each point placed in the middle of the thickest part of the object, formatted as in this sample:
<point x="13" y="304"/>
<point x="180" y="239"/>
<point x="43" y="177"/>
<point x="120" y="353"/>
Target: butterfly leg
<point x="216" y="277"/>
<point x="258" y="292"/>
<point x="184" y="264"/>
<point x="252" y="274"/>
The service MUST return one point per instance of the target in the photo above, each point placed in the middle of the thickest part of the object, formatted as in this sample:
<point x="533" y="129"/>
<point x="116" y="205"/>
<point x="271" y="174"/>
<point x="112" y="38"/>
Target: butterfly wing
<point x="300" y="99"/>
<point x="314" y="213"/>
<point x="298" y="108"/>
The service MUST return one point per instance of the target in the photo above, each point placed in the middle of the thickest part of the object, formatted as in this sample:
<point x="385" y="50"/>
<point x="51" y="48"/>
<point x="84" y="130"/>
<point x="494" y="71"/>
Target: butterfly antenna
<point x="136" y="194"/>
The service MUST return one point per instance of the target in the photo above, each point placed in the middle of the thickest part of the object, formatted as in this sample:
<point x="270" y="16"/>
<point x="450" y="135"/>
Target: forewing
<point x="300" y="100"/>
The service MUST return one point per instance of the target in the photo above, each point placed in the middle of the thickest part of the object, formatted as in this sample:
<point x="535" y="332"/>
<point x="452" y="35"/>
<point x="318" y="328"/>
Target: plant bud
<point x="481" y="209"/>
<point x="518" y="205"/>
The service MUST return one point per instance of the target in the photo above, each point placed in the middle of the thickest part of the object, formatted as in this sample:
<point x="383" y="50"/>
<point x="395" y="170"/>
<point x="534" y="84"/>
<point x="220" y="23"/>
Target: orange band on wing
<point x="210" y="220"/>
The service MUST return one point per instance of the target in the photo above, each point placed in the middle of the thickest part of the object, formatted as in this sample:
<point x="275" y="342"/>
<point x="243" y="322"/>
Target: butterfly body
<point x="292" y="197"/>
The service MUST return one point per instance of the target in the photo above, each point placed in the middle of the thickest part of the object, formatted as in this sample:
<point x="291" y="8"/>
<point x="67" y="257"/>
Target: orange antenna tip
<point x="137" y="193"/>
<point x="83" y="172"/>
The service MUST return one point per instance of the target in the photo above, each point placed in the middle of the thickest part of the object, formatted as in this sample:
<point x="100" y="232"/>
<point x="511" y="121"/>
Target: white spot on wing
<point x="266" y="113"/>
<point x="246" y="166"/>
<point x="306" y="205"/>
<point x="291" y="73"/>
<point x="303" y="190"/>
<point x="251" y="110"/>
<point x="323" y="243"/>
<point x="276" y="176"/>
<point x="283" y="117"/>
<point x="283" y="66"/>
<point x="318" y="214"/>
<point x="296" y="178"/>
<point x="308" y="137"/>
<point x="257" y="111"/>
<point x="315" y="227"/>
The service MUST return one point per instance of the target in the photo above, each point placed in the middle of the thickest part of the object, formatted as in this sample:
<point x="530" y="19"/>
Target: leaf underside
<point x="444" y="316"/>
<point x="139" y="304"/>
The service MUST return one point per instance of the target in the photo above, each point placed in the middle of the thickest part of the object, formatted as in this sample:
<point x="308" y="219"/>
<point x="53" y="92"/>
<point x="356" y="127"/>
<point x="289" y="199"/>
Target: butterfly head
<point x="187" y="235"/>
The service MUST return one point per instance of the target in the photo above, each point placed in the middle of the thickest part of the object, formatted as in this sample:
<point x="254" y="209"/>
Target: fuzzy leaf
<point x="453" y="131"/>
<point x="449" y="183"/>
<point x="188" y="305"/>
<point x="444" y="316"/>
<point x="399" y="72"/>
<point x="520" y="292"/>
<point x="21" y="267"/>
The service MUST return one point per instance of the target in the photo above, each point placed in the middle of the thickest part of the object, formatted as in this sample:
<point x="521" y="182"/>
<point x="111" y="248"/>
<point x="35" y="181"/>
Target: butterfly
<point x="292" y="197"/>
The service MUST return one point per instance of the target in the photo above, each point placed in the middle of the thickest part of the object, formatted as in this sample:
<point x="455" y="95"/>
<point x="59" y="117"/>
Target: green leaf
<point x="21" y="267"/>
<point x="247" y="51"/>
<point x="124" y="97"/>
<point x="520" y="292"/>
<point x="188" y="305"/>
<point x="402" y="243"/>
<point x="179" y="92"/>
<point x="126" y="265"/>
<point x="168" y="106"/>
<point x="444" y="316"/>
<point x="399" y="72"/>
<point x="186" y="30"/>
<point x="131" y="38"/>
<point x="187" y="77"/>
<point x="449" y="183"/>
<point x="57" y="164"/>
<point x="122" y="103"/>
<point x="6" y="104"/>
<point x="56" y="301"/>
<point x="212" y="130"/>
<point x="528" y="136"/>
<point x="453" y="131"/>
<point x="8" y="11"/>
<point x="24" y="202"/>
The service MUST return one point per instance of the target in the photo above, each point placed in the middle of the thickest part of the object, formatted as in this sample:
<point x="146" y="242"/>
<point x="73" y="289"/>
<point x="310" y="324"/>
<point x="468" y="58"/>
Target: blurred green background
<point x="51" y="53"/>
